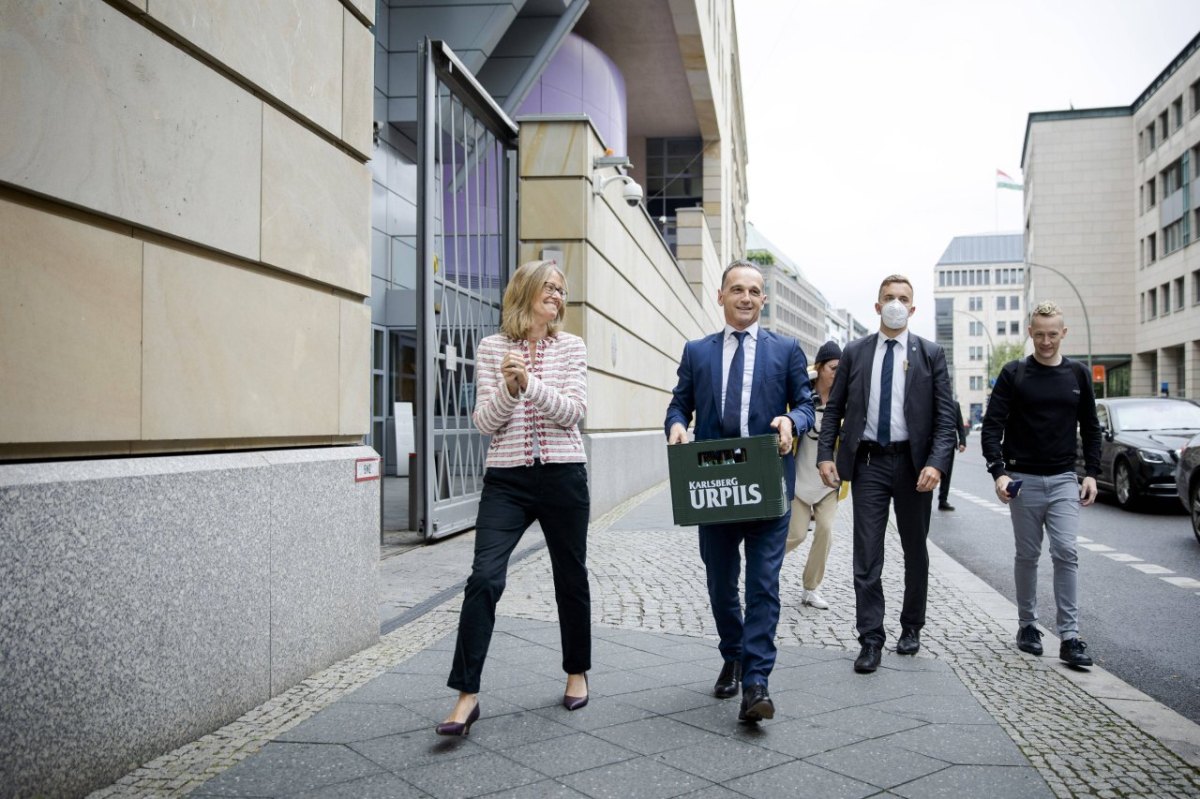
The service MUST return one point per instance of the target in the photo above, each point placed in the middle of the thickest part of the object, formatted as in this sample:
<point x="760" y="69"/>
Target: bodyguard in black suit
<point x="892" y="408"/>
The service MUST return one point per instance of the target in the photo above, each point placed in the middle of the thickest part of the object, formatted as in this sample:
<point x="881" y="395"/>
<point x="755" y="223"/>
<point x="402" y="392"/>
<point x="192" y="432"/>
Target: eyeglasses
<point x="549" y="288"/>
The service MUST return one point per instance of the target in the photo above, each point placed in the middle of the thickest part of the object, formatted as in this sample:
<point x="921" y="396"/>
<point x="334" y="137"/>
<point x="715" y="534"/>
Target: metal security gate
<point x="466" y="250"/>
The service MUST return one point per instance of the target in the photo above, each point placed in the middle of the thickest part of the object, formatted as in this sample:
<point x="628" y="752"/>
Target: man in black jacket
<point x="944" y="489"/>
<point x="1029" y="438"/>
<point x="890" y="409"/>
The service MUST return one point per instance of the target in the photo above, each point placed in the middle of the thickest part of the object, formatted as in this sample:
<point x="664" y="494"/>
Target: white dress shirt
<point x="899" y="426"/>
<point x="749" y="344"/>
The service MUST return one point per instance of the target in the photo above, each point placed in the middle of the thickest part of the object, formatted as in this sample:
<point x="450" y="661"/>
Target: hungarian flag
<point x="1003" y="181"/>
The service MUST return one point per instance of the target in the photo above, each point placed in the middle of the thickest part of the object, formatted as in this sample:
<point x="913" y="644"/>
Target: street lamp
<point x="1087" y="322"/>
<point x="987" y="360"/>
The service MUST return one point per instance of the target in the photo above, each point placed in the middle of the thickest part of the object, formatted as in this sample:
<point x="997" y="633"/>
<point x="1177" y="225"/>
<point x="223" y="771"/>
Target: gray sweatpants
<point x="1049" y="503"/>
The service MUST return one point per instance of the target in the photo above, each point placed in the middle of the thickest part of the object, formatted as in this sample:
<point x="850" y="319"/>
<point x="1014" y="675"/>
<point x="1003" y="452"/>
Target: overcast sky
<point x="876" y="127"/>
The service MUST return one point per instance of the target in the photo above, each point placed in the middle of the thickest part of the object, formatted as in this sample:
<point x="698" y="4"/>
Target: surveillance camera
<point x="633" y="194"/>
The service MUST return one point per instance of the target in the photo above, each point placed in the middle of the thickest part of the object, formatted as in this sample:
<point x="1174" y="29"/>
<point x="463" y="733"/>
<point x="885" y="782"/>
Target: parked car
<point x="1141" y="440"/>
<point x="1187" y="482"/>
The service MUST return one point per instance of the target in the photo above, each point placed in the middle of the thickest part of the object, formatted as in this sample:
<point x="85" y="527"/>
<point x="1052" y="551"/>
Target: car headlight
<point x="1154" y="456"/>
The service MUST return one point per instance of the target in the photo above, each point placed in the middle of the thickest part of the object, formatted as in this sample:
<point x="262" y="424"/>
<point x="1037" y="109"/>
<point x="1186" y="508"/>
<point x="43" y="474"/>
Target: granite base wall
<point x="623" y="464"/>
<point x="146" y="602"/>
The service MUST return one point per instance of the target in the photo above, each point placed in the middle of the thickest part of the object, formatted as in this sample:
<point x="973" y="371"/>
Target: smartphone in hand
<point x="1013" y="488"/>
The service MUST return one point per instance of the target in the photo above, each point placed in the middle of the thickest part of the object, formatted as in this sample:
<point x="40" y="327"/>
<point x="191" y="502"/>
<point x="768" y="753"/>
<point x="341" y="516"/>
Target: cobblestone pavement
<point x="649" y="579"/>
<point x="646" y="576"/>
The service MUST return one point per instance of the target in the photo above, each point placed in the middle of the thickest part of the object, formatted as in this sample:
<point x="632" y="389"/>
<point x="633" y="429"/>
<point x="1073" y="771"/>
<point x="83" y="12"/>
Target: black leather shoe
<point x="728" y="680"/>
<point x="1072" y="652"/>
<point x="756" y="705"/>
<point x="1029" y="639"/>
<point x="868" y="658"/>
<point x="910" y="642"/>
<point x="945" y="506"/>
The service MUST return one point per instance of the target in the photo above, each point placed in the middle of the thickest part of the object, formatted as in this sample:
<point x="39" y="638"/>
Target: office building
<point x="1110" y="205"/>
<point x="979" y="304"/>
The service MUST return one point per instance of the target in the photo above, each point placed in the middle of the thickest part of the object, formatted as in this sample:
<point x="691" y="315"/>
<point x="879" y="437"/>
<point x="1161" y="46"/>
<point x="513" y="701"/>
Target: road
<point x="1139" y="590"/>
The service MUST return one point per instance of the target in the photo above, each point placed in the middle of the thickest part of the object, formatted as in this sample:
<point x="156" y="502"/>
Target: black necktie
<point x="883" y="433"/>
<point x="731" y="418"/>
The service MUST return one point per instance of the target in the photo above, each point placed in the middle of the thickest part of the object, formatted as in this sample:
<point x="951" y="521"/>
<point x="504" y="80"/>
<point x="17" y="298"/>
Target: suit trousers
<point x="944" y="486"/>
<point x="880" y="480"/>
<point x="750" y="639"/>
<point x="556" y="495"/>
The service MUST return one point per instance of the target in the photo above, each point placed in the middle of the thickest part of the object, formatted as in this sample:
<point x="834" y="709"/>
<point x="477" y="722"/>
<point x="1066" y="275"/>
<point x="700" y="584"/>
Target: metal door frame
<point x="438" y="516"/>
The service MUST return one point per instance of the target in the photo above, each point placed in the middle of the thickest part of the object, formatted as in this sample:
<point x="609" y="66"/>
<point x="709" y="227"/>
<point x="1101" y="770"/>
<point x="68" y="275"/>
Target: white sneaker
<point x="814" y="599"/>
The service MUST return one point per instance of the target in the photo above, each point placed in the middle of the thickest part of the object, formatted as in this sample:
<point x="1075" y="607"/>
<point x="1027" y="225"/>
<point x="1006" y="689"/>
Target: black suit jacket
<point x="928" y="405"/>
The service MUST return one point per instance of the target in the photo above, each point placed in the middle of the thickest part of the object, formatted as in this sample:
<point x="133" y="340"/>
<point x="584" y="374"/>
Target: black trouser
<point x="944" y="488"/>
<point x="882" y="478"/>
<point x="557" y="496"/>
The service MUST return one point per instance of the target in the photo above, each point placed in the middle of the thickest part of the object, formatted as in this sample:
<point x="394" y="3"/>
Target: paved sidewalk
<point x="970" y="715"/>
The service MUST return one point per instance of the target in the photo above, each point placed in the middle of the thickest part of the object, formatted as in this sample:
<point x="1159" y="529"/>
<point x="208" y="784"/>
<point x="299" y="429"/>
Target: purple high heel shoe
<point x="576" y="702"/>
<point x="460" y="727"/>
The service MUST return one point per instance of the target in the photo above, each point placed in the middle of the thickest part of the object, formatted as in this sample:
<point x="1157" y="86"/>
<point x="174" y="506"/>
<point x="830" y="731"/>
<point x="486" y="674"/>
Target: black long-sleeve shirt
<point x="1030" y="427"/>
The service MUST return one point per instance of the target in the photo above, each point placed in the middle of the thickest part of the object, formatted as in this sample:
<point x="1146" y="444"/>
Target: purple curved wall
<point x="581" y="79"/>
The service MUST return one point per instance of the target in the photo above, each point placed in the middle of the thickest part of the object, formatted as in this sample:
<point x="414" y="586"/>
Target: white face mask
<point x="895" y="315"/>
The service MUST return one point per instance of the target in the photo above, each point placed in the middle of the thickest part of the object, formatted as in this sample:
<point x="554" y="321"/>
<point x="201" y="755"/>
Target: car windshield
<point x="1157" y="415"/>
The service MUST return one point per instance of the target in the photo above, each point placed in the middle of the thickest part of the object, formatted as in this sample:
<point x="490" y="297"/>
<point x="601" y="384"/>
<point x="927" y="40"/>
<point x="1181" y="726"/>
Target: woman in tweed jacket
<point x="531" y="392"/>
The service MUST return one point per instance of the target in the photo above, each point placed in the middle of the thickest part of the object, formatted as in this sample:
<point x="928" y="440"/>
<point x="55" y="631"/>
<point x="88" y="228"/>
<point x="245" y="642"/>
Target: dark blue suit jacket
<point x="779" y="387"/>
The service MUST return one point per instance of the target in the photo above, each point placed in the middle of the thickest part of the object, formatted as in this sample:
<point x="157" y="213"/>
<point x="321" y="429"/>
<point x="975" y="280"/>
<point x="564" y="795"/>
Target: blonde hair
<point x="526" y="286"/>
<point x="895" y="279"/>
<point x="1047" y="308"/>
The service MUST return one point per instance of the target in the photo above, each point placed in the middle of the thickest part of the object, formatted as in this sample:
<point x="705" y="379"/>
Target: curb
<point x="1177" y="733"/>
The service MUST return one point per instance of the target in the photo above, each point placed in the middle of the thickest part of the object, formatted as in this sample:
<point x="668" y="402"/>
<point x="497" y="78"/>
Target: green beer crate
<point x="727" y="480"/>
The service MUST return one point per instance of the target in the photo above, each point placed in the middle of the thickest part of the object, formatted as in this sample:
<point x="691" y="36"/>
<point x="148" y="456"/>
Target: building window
<point x="1177" y="113"/>
<point x="1000" y="303"/>
<point x="674" y="179"/>
<point x="1014" y="303"/>
<point x="1001" y="329"/>
<point x="1195" y="90"/>
<point x="1196" y="287"/>
<point x="1151" y="139"/>
<point x="1014" y="328"/>
<point x="1162" y="126"/>
<point x="1172" y="237"/>
<point x="1179" y="294"/>
<point x="977" y="382"/>
<point x="1152" y="303"/>
<point x="1151" y="251"/>
<point x="1164" y="294"/>
<point x="1150" y="193"/>
<point x="976" y="329"/>
<point x="1172" y="178"/>
<point x="975" y="303"/>
<point x="1142" y="307"/>
<point x="976" y="353"/>
<point x="941" y="278"/>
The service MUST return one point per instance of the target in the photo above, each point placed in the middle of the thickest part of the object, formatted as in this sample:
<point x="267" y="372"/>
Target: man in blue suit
<point x="744" y="381"/>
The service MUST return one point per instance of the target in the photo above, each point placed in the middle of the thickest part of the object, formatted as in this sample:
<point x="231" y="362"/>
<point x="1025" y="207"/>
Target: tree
<point x="1008" y="351"/>
<point x="760" y="257"/>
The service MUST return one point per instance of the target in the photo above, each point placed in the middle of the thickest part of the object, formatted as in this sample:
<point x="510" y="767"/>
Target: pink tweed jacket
<point x="548" y="410"/>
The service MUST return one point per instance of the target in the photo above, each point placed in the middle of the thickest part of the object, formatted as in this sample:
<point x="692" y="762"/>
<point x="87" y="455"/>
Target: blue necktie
<point x="731" y="417"/>
<point x="883" y="432"/>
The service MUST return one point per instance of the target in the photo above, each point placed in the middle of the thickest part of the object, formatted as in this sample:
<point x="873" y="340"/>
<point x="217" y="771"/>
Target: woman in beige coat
<point x="814" y="500"/>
